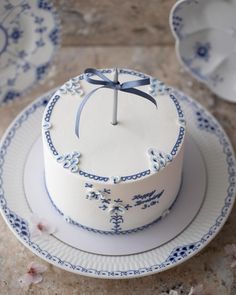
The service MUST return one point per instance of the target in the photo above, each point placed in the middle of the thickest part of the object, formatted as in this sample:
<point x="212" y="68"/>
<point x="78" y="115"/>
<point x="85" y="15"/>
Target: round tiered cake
<point x="113" y="178"/>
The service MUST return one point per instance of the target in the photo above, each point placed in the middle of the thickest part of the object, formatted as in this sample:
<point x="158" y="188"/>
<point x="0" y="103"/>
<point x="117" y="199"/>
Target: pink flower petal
<point x="40" y="226"/>
<point x="37" y="278"/>
<point x="37" y="268"/>
<point x="33" y="275"/>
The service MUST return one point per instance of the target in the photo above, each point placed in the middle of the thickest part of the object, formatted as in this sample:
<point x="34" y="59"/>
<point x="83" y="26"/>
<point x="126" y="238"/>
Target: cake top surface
<point x="113" y="150"/>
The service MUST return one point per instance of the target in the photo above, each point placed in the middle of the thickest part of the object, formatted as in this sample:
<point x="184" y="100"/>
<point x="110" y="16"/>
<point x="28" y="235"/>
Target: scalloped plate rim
<point x="128" y="275"/>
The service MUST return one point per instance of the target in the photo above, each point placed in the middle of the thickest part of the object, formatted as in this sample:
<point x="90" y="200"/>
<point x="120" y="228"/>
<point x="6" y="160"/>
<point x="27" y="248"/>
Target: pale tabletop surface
<point x="209" y="267"/>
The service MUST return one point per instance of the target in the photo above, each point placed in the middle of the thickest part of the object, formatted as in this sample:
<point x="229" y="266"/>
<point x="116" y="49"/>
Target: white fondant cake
<point x="113" y="178"/>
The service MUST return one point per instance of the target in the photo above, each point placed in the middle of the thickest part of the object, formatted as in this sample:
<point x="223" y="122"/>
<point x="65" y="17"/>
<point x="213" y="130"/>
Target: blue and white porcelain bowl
<point x="205" y="33"/>
<point x="29" y="37"/>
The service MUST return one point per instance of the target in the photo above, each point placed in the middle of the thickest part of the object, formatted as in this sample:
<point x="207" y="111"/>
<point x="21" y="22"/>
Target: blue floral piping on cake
<point x="115" y="221"/>
<point x="158" y="159"/>
<point x="127" y="177"/>
<point x="115" y="179"/>
<point x="72" y="86"/>
<point x="21" y="228"/>
<point x="148" y="200"/>
<point x="70" y="161"/>
<point x="98" y="195"/>
<point x="116" y="210"/>
<point x="117" y="207"/>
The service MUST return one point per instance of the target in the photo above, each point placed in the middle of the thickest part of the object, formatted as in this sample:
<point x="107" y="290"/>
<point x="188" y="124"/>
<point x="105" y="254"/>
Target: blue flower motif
<point x="26" y="67"/>
<point x="16" y="34"/>
<point x="40" y="71"/>
<point x="46" y="5"/>
<point x="202" y="50"/>
<point x="38" y="20"/>
<point x="10" y="95"/>
<point x="40" y="43"/>
<point x="11" y="82"/>
<point x="54" y="36"/>
<point x="8" y="6"/>
<point x="21" y="54"/>
<point x="205" y="122"/>
<point x="41" y="29"/>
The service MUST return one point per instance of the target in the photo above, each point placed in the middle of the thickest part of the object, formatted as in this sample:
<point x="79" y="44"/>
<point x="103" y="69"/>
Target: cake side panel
<point x="112" y="207"/>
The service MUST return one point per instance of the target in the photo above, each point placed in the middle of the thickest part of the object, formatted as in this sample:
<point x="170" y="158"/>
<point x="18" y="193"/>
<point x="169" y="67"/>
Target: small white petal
<point x="25" y="280"/>
<point x="37" y="279"/>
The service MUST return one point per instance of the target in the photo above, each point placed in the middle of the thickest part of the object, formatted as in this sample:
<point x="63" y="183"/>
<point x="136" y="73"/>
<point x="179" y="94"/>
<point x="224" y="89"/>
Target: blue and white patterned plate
<point x="29" y="39"/>
<point x="219" y="159"/>
<point x="205" y="33"/>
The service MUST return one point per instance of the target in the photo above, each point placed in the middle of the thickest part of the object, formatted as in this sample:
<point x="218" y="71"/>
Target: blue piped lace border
<point x="138" y="175"/>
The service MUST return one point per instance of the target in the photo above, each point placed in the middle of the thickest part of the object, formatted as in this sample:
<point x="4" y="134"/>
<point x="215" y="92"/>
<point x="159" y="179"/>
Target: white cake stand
<point x="202" y="207"/>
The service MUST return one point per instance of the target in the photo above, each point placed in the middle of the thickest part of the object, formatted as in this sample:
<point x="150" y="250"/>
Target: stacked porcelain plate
<point x="205" y="32"/>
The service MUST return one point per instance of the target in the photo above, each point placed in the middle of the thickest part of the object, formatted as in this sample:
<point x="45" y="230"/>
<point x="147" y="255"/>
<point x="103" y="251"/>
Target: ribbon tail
<point x="141" y="93"/>
<point x="78" y="115"/>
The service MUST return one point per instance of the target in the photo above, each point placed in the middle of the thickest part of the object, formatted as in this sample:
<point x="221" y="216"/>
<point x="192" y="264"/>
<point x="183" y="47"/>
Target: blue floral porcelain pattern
<point x="202" y="50"/>
<point x="21" y="46"/>
<point x="205" y="45"/>
<point x="20" y="225"/>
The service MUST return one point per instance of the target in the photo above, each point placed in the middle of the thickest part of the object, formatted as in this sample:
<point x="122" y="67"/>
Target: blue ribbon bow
<point x="107" y="83"/>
